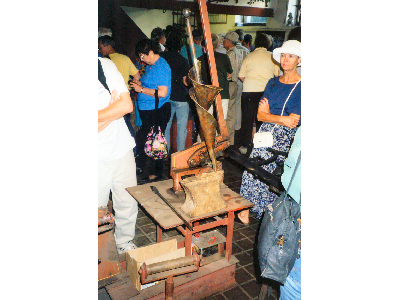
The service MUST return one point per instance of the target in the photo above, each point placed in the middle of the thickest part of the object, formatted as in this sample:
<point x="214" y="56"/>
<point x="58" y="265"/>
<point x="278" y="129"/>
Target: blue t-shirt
<point x="277" y="92"/>
<point x="155" y="75"/>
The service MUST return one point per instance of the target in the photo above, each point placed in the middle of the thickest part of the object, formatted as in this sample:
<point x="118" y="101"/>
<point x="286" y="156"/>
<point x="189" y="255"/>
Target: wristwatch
<point x="141" y="90"/>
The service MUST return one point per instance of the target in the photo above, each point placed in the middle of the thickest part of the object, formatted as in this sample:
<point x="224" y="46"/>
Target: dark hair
<point x="107" y="40"/>
<point x="197" y="34"/>
<point x="247" y="39"/>
<point x="157" y="33"/>
<point x="295" y="34"/>
<point x="240" y="33"/>
<point x="146" y="45"/>
<point x="262" y="40"/>
<point x="174" y="41"/>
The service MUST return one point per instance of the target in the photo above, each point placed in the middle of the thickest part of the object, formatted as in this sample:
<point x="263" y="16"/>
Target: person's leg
<point x="238" y="115"/>
<point x="250" y="103"/>
<point x="225" y="104"/>
<point x="292" y="288"/>
<point x="104" y="171"/>
<point x="244" y="130"/>
<point x="164" y="114"/>
<point x="143" y="161"/>
<point x="124" y="205"/>
<point x="182" y="113"/>
<point x="230" y="119"/>
<point x="174" y="105"/>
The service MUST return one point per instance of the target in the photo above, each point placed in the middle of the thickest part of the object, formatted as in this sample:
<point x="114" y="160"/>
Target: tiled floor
<point x="244" y="238"/>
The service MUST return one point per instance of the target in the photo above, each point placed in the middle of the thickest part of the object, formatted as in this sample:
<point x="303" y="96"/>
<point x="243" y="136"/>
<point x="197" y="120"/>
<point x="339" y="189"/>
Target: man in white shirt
<point x="116" y="160"/>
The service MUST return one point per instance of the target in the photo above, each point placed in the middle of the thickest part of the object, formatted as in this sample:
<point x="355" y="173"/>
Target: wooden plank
<point x="122" y="289"/>
<point x="165" y="217"/>
<point x="194" y="7"/>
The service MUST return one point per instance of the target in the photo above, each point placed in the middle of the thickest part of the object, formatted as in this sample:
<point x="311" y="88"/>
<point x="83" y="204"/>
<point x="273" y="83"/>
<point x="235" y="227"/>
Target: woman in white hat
<point x="279" y="109"/>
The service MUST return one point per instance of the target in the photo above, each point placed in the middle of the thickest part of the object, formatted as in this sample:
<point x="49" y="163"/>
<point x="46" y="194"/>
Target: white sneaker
<point x="122" y="248"/>
<point x="243" y="150"/>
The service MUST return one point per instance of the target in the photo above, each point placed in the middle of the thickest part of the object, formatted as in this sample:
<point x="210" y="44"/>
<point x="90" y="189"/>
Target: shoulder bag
<point x="156" y="144"/>
<point x="280" y="236"/>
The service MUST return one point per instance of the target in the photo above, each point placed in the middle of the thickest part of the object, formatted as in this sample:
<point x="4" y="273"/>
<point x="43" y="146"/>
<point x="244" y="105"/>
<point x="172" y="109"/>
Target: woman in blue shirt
<point x="156" y="77"/>
<point x="281" y="115"/>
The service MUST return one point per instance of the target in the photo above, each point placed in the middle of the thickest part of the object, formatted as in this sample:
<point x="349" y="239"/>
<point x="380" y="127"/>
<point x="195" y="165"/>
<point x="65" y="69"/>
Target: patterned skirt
<point x="255" y="190"/>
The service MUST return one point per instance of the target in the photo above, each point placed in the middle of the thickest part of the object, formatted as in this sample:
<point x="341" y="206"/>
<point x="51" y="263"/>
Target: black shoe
<point x="148" y="180"/>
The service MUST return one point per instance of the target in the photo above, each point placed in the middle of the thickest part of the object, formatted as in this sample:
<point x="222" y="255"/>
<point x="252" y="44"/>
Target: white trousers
<point x="117" y="175"/>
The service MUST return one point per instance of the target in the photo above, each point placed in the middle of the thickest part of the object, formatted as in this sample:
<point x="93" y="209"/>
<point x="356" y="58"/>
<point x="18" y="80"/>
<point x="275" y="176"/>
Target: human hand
<point x="263" y="105"/>
<point x="136" y="86"/>
<point x="291" y="121"/>
<point x="136" y="81"/>
<point x="114" y="96"/>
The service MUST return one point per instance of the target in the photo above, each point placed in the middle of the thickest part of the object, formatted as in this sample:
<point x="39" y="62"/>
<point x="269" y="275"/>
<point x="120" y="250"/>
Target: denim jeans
<point x="182" y="112"/>
<point x="292" y="288"/>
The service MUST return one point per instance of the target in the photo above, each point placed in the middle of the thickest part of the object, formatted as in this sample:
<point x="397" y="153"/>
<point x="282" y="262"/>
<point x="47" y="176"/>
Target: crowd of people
<point x="260" y="89"/>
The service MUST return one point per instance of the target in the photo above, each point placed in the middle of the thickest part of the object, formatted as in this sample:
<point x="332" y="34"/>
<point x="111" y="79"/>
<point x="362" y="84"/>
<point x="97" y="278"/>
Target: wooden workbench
<point x="165" y="218"/>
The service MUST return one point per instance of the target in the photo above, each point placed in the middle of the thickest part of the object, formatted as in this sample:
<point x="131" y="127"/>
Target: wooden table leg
<point x="159" y="234"/>
<point x="188" y="242"/>
<point x="229" y="235"/>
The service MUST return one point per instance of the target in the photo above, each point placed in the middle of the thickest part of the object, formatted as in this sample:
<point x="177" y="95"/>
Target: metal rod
<point x="155" y="191"/>
<point x="172" y="264"/>
<point x="186" y="14"/>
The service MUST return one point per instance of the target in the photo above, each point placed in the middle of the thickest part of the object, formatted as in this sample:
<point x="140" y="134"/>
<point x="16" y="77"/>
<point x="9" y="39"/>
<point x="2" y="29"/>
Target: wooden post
<point x="229" y="235"/>
<point x="159" y="234"/>
<point x="169" y="288"/>
<point x="213" y="69"/>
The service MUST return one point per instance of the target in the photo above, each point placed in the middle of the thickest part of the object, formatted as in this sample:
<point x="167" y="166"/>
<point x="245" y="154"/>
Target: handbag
<point x="266" y="139"/>
<point x="280" y="237"/>
<point x="156" y="144"/>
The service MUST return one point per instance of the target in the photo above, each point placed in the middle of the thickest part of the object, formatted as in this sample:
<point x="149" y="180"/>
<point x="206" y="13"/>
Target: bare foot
<point x="244" y="216"/>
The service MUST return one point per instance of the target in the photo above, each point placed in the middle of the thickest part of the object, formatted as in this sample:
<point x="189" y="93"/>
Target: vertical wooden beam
<point x="159" y="234"/>
<point x="229" y="235"/>
<point x="213" y="69"/>
<point x="188" y="242"/>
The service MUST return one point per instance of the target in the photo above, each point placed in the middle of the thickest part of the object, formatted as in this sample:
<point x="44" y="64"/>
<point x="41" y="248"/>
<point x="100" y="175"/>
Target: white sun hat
<point x="291" y="47"/>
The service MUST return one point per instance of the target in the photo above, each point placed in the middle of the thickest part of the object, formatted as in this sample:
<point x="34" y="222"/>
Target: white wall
<point x="148" y="19"/>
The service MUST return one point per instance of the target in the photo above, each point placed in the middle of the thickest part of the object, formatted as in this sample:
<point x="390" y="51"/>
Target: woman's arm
<point x="264" y="115"/>
<point x="162" y="90"/>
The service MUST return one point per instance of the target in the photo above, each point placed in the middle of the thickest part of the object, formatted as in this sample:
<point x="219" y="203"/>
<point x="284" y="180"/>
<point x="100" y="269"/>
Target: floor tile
<point x="236" y="294"/>
<point x="141" y="241"/>
<point x="245" y="244"/>
<point x="245" y="258"/>
<point x="252" y="288"/>
<point x="242" y="276"/>
<point x="149" y="228"/>
<point x="216" y="297"/>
